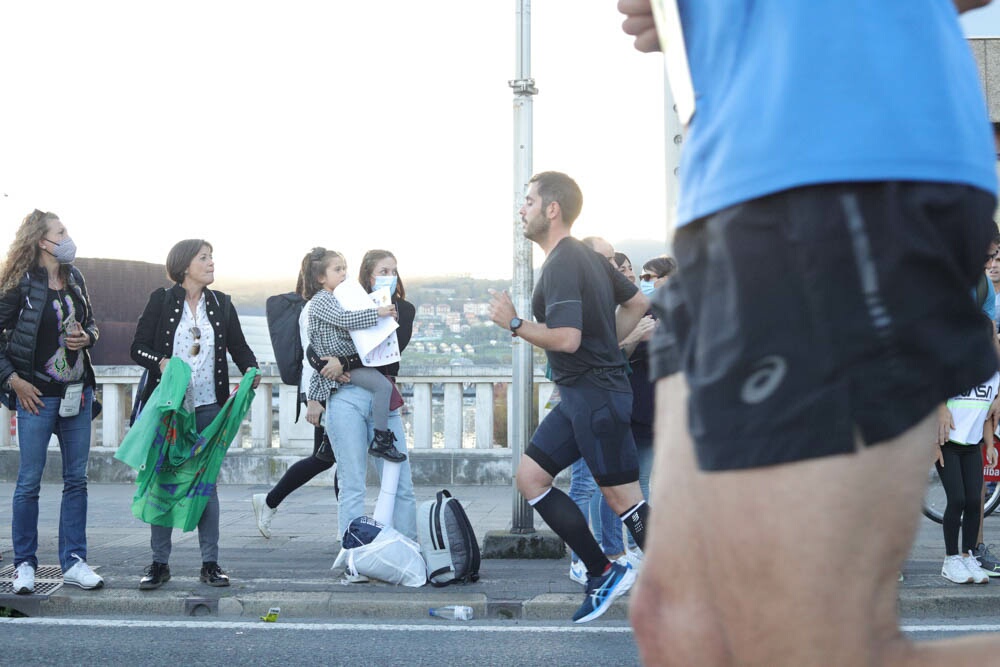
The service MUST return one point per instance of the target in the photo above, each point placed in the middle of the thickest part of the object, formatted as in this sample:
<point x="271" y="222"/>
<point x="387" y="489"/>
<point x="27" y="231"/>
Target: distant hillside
<point x="249" y="296"/>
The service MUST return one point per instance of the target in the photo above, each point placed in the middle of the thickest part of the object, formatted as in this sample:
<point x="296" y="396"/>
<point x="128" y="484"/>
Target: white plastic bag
<point x="390" y="557"/>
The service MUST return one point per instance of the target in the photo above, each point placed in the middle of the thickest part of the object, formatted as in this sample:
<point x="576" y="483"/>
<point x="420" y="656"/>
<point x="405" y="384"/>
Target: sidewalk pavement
<point x="292" y="569"/>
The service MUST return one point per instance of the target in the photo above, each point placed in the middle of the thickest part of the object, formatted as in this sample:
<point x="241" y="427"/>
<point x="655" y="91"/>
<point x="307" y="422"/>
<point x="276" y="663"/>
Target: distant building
<point x="442" y="309"/>
<point x="426" y="309"/>
<point x="119" y="290"/>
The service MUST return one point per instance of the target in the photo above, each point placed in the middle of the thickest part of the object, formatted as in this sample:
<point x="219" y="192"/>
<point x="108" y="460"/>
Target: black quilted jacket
<point x="21" y="315"/>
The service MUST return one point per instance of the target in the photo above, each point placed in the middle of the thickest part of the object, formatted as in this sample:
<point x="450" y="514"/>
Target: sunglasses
<point x="196" y="346"/>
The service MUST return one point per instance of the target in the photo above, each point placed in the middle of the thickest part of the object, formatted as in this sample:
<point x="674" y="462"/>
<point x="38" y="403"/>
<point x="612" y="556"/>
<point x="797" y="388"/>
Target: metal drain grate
<point x="48" y="579"/>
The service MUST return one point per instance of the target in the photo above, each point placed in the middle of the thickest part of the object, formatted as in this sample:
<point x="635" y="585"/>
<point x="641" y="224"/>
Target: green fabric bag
<point x="178" y="466"/>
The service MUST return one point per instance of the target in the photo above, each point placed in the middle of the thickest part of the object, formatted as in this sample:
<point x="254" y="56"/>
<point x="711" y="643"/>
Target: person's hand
<point x="343" y="378"/>
<point x="333" y="369"/>
<point x="387" y="310"/>
<point x="991" y="455"/>
<point x="77" y="338"/>
<point x="643" y="331"/>
<point x="163" y="365"/>
<point x="945" y="424"/>
<point x="314" y="412"/>
<point x="28" y="395"/>
<point x="940" y="457"/>
<point x="502" y="309"/>
<point x="256" y="382"/>
<point x="639" y="23"/>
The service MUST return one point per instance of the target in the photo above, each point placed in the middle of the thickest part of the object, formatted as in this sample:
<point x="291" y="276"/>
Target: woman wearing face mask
<point x="349" y="419"/>
<point x="198" y="325"/>
<point x="46" y="316"/>
<point x="655" y="272"/>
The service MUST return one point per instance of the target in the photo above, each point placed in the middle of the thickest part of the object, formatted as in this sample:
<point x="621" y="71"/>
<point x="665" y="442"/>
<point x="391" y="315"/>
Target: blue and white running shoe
<point x="601" y="591"/>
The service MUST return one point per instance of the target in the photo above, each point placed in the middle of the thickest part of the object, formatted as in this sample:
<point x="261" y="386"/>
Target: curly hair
<point x="371" y="258"/>
<point x="24" y="252"/>
<point x="313" y="266"/>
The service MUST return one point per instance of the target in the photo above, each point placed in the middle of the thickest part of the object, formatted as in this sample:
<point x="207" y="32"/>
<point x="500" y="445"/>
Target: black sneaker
<point x="156" y="575"/>
<point x="383" y="448"/>
<point x="987" y="560"/>
<point x="213" y="575"/>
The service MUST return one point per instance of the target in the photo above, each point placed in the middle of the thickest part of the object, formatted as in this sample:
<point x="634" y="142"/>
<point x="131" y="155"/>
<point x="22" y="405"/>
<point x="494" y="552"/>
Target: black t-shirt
<point x="579" y="288"/>
<point x="53" y="361"/>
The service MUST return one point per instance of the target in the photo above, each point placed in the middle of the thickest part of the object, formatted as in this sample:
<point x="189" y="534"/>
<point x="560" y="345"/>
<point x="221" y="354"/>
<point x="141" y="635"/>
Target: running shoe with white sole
<point x="81" y="575"/>
<point x="953" y="569"/>
<point x="987" y="560"/>
<point x="602" y="591"/>
<point x="263" y="513"/>
<point x="578" y="572"/>
<point x="24" y="579"/>
<point x="979" y="575"/>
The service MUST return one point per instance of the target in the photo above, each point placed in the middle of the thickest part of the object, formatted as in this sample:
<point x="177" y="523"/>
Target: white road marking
<point x="324" y="627"/>
<point x="951" y="628"/>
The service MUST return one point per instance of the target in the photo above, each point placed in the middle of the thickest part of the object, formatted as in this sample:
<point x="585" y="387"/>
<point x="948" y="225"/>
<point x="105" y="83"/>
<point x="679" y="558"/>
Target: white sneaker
<point x="578" y="572"/>
<point x="953" y="569"/>
<point x="263" y="513"/>
<point x="24" y="579"/>
<point x="979" y="575"/>
<point x="634" y="558"/>
<point x="81" y="575"/>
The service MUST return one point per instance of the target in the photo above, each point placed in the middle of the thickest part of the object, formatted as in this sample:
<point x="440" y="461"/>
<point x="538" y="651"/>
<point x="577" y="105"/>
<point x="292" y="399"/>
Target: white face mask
<point x="646" y="287"/>
<point x="65" y="250"/>
<point x="386" y="281"/>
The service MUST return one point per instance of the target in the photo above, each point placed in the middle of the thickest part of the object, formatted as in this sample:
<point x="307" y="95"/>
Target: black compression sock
<point x="564" y="517"/>
<point x="635" y="519"/>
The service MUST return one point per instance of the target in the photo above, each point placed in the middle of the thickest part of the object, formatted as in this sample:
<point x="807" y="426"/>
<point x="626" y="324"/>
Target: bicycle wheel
<point x="935" y="499"/>
<point x="992" y="498"/>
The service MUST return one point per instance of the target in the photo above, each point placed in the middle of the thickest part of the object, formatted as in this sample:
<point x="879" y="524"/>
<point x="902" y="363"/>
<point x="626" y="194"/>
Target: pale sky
<point x="271" y="127"/>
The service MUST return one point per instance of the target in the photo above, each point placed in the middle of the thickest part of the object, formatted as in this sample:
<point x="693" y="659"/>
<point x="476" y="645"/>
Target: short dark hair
<point x="555" y="186"/>
<point x="180" y="256"/>
<point x="662" y="266"/>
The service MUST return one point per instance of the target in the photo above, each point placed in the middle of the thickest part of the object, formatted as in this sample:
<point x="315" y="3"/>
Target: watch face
<point x="515" y="323"/>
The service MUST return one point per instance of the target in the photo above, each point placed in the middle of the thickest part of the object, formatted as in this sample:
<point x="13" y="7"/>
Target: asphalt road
<point x="112" y="642"/>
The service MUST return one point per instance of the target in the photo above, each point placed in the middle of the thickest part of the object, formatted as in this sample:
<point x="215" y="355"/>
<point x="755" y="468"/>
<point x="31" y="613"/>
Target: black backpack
<point x="283" y="311"/>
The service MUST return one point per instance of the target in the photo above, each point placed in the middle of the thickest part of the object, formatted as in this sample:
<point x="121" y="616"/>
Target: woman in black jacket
<point x="199" y="326"/>
<point x="48" y="324"/>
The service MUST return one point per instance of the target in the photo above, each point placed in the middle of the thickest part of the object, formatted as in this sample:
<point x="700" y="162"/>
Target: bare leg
<point x="810" y="553"/>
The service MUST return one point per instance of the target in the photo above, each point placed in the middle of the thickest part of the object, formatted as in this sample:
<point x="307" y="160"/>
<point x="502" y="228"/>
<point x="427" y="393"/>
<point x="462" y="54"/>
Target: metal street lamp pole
<point x="519" y="416"/>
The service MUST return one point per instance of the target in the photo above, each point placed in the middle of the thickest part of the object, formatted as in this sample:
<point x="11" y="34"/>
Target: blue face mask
<point x="646" y="287"/>
<point x="386" y="281"/>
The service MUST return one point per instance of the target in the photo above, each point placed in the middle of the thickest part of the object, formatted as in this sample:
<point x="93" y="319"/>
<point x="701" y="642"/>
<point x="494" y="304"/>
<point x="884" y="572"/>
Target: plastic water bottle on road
<point x="453" y="612"/>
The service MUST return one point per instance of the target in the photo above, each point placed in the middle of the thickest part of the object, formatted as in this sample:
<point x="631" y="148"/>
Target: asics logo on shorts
<point x="764" y="380"/>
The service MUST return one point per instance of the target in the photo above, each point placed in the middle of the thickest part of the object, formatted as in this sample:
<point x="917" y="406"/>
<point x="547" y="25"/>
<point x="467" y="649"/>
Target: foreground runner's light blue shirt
<point x="797" y="92"/>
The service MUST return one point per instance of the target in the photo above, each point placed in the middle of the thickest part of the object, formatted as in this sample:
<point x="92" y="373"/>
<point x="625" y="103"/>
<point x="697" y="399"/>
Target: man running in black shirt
<point x="578" y="326"/>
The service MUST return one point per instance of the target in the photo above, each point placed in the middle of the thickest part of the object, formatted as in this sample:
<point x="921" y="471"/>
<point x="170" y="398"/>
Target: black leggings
<point x="962" y="478"/>
<point x="299" y="473"/>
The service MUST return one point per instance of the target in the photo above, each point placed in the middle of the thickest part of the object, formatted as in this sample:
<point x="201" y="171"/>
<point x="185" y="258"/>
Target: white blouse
<point x="201" y="390"/>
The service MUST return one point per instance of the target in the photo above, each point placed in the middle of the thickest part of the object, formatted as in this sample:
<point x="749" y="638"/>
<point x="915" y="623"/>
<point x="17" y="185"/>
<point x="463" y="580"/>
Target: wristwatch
<point x="515" y="324"/>
<point x="6" y="383"/>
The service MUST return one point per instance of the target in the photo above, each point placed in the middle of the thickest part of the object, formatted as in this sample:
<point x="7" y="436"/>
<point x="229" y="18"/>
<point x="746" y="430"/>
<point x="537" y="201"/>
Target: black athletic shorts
<point x="805" y="318"/>
<point x="591" y="422"/>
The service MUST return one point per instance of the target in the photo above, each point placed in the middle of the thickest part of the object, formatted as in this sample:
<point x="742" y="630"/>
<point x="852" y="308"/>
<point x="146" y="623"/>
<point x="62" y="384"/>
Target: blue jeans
<point x="349" y="426"/>
<point x="33" y="433"/>
<point x="584" y="492"/>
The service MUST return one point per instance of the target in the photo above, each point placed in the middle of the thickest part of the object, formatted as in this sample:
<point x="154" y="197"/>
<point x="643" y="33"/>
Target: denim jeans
<point x="584" y="492"/>
<point x="33" y="433"/>
<point x="349" y="426"/>
<point x="160" y="537"/>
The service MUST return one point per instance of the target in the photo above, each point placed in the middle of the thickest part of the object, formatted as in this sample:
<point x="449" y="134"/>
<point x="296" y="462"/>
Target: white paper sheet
<point x="376" y="345"/>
